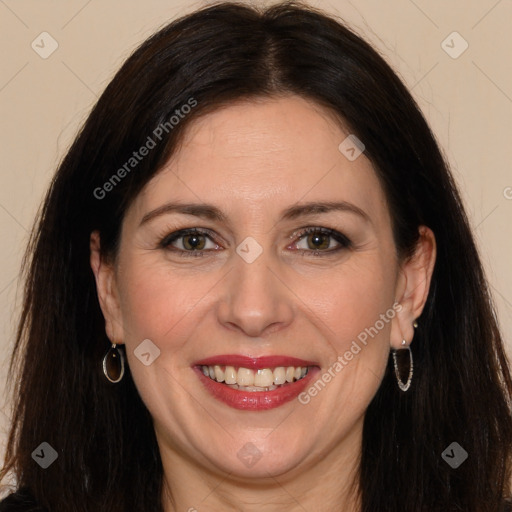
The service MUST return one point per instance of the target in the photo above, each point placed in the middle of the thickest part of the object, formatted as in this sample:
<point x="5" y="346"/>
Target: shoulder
<point x="20" y="501"/>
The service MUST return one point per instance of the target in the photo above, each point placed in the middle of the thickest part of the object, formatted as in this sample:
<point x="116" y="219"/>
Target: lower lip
<point x="256" y="400"/>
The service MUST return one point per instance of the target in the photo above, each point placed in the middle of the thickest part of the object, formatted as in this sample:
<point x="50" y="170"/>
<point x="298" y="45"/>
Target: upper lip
<point x="254" y="363"/>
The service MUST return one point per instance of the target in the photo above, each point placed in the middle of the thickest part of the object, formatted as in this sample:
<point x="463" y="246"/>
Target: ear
<point x="106" y="288"/>
<point x="412" y="287"/>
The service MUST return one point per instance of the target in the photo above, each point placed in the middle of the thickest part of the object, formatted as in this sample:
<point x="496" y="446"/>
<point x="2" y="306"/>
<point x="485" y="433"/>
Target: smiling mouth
<point x="246" y="379"/>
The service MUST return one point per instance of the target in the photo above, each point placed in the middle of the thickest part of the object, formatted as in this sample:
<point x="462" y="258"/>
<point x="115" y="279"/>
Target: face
<point x="293" y="303"/>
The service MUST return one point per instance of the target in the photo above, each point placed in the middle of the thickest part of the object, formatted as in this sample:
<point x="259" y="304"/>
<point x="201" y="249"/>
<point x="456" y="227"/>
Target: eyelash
<point x="345" y="243"/>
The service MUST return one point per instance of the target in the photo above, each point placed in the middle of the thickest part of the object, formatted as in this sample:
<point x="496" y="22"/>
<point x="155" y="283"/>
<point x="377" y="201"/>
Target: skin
<point x="252" y="160"/>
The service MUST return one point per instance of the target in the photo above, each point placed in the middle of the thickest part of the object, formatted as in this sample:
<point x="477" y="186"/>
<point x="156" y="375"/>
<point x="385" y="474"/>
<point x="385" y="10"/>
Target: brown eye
<point x="319" y="241"/>
<point x="189" y="241"/>
<point x="194" y="242"/>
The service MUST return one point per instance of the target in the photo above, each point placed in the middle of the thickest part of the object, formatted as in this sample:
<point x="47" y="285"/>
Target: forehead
<point x="261" y="156"/>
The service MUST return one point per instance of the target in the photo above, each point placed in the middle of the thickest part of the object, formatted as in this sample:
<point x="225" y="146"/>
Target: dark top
<point x="23" y="501"/>
<point x="20" y="501"/>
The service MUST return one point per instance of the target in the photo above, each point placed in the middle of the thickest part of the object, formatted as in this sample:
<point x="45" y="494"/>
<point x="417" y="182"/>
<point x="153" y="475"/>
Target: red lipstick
<point x="255" y="400"/>
<point x="254" y="363"/>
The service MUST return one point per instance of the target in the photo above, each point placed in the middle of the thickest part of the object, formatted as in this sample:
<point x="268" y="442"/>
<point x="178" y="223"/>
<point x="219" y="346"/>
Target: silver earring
<point x="401" y="385"/>
<point x="113" y="364"/>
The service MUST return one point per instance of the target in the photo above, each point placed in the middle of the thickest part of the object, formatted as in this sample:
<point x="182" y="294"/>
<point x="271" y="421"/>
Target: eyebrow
<point x="211" y="212"/>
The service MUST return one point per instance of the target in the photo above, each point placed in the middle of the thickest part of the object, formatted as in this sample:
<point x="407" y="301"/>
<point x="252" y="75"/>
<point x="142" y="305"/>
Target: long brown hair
<point x="462" y="386"/>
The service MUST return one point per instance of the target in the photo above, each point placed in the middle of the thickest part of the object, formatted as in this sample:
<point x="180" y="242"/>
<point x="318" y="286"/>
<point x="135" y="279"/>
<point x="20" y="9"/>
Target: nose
<point x="255" y="299"/>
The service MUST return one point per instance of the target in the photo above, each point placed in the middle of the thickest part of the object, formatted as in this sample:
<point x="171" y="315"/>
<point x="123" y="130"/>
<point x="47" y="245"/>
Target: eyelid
<point x="341" y="238"/>
<point x="175" y="235"/>
<point x="343" y="241"/>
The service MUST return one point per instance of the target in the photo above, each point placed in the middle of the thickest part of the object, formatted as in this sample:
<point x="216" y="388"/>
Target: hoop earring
<point x="113" y="364"/>
<point x="401" y="385"/>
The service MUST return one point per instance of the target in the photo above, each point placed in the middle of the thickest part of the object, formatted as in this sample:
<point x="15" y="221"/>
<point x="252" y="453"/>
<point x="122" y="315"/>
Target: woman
<point x="253" y="287"/>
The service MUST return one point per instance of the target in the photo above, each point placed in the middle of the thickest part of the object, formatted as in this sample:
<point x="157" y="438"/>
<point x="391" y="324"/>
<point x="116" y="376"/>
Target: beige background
<point x="467" y="100"/>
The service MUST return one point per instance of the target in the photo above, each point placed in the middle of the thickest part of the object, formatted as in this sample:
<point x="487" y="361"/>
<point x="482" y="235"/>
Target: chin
<point x="259" y="459"/>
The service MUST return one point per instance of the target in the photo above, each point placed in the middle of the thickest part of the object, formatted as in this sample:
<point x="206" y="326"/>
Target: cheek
<point x="351" y="299"/>
<point x="160" y="303"/>
<point x="356" y="315"/>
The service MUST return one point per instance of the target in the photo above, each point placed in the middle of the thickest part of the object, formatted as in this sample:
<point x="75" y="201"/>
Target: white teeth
<point x="263" y="379"/>
<point x="245" y="377"/>
<point x="219" y="374"/>
<point x="257" y="388"/>
<point x="280" y="375"/>
<point x="230" y="375"/>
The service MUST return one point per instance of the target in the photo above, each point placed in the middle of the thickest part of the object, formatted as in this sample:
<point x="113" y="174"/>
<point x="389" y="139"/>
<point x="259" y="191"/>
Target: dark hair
<point x="462" y="385"/>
